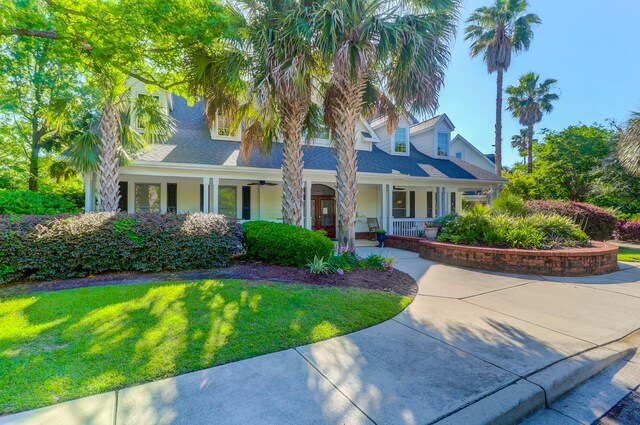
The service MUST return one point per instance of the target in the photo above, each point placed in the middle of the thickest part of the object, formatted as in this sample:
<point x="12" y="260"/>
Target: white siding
<point x="471" y="155"/>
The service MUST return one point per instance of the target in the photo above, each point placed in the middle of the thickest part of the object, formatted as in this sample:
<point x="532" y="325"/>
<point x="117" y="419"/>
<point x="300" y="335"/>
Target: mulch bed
<point x="396" y="281"/>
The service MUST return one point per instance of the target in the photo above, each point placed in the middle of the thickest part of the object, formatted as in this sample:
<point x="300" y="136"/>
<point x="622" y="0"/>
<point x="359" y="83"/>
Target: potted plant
<point x="380" y="235"/>
<point x="431" y="230"/>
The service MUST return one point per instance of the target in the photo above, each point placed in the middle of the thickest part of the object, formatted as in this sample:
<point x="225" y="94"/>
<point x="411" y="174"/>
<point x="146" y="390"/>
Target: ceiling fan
<point x="262" y="183"/>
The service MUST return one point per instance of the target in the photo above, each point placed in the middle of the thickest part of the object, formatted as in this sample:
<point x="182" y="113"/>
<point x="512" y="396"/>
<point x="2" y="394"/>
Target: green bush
<point x="596" y="222"/>
<point x="508" y="203"/>
<point x="44" y="247"/>
<point x="481" y="226"/>
<point x="27" y="202"/>
<point x="283" y="244"/>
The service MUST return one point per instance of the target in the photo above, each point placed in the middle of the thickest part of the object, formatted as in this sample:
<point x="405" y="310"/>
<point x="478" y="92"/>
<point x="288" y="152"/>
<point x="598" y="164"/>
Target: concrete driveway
<point x="468" y="334"/>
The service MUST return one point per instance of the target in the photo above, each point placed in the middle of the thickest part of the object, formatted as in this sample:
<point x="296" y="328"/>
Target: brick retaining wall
<point x="600" y="258"/>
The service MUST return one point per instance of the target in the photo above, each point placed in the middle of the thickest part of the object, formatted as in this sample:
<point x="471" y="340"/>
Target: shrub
<point x="628" y="230"/>
<point x="284" y="244"/>
<point x="319" y="266"/>
<point x="44" y="247"/>
<point x="508" y="203"/>
<point x="481" y="226"/>
<point x="597" y="222"/>
<point x="27" y="202"/>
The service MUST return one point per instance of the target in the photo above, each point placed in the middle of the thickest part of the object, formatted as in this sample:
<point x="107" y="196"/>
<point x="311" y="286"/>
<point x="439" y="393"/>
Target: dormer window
<point x="400" y="141"/>
<point x="443" y="144"/>
<point x="222" y="129"/>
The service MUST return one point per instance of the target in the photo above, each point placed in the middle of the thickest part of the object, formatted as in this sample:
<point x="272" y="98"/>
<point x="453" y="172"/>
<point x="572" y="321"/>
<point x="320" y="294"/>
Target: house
<point x="462" y="149"/>
<point x="405" y="178"/>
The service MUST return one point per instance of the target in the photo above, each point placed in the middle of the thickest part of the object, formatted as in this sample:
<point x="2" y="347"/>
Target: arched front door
<point x="323" y="209"/>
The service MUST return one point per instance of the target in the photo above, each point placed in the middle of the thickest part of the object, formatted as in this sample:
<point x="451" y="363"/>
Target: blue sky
<point x="591" y="47"/>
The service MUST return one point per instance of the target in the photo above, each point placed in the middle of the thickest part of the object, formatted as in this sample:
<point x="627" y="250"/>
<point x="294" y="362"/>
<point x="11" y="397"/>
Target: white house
<point x="404" y="179"/>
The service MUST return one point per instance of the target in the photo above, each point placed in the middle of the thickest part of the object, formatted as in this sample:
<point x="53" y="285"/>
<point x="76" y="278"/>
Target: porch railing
<point x="409" y="226"/>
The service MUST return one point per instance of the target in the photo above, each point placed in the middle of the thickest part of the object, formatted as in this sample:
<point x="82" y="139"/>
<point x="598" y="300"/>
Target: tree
<point x="380" y="56"/>
<point x="497" y="32"/>
<point x="629" y="145"/>
<point x="264" y="77"/>
<point x="527" y="102"/>
<point x="519" y="142"/>
<point x="112" y="40"/>
<point x="41" y="94"/>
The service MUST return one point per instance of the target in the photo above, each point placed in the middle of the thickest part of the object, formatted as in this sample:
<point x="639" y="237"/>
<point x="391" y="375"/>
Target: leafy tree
<point x="519" y="142"/>
<point x="391" y="56"/>
<point x="497" y="32"/>
<point x="265" y="76"/>
<point x="148" y="40"/>
<point x="42" y="94"/>
<point x="528" y="101"/>
<point x="630" y="145"/>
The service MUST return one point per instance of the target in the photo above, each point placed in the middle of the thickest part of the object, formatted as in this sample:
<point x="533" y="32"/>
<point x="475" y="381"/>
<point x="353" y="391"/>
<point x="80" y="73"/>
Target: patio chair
<point x="372" y="224"/>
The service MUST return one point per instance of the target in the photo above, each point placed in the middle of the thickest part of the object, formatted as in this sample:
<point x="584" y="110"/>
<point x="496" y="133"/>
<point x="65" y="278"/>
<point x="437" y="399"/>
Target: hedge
<point x="597" y="222"/>
<point x="27" y="202"/>
<point x="628" y="230"/>
<point x="45" y="247"/>
<point x="283" y="244"/>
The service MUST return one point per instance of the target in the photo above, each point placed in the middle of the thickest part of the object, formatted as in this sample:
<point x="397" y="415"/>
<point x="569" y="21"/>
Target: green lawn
<point x="61" y="345"/>
<point x="628" y="254"/>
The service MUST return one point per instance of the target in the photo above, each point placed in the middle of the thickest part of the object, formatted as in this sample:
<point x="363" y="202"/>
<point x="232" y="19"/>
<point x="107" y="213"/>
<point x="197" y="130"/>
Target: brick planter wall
<point x="408" y="243"/>
<point x="600" y="258"/>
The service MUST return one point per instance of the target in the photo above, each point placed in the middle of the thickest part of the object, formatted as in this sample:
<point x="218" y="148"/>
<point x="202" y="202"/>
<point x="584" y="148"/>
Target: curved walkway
<point x="468" y="334"/>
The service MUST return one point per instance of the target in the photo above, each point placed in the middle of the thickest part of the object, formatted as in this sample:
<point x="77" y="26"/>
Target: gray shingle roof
<point x="192" y="144"/>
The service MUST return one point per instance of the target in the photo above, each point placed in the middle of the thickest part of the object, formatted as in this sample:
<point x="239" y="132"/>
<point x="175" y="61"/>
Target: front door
<point x="323" y="210"/>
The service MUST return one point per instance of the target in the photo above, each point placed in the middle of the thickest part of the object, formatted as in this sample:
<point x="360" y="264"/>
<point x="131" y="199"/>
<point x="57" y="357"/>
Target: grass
<point x="628" y="254"/>
<point x="57" y="346"/>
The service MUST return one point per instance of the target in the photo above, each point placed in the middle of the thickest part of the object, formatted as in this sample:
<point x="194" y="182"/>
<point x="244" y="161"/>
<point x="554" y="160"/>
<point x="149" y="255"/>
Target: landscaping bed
<point x="397" y="282"/>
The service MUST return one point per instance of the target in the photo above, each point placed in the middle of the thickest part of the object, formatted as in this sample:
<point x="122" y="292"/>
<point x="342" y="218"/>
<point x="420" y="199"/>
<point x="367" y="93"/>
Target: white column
<point x="307" y="204"/>
<point x="440" y="201"/>
<point x="163" y="197"/>
<point x="446" y="204"/>
<point x="214" y="197"/>
<point x="89" y="198"/>
<point x="260" y="198"/>
<point x="389" y="228"/>
<point x="205" y="194"/>
<point x="383" y="218"/>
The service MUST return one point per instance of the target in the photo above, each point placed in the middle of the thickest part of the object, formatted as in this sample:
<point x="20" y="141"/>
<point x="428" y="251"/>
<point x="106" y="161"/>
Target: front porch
<point x="401" y="207"/>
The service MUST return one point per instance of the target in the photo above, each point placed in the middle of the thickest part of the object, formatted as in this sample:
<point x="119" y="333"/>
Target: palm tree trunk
<point x="498" y="145"/>
<point x="346" y="169"/>
<point x="530" y="148"/>
<point x="292" y="166"/>
<point x="108" y="195"/>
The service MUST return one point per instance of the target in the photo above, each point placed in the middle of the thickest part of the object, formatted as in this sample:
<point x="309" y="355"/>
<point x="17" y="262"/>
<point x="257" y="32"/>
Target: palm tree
<point x="528" y="101"/>
<point x="497" y="32"/>
<point x="387" y="56"/>
<point x="519" y="142"/>
<point x="115" y="138"/>
<point x="629" y="145"/>
<point x="263" y="79"/>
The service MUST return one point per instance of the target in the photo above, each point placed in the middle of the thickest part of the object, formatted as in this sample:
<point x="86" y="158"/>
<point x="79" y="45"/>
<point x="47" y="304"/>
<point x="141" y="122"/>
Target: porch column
<point x="260" y="198"/>
<point x="216" y="183"/>
<point x="307" y="204"/>
<point x="390" y="209"/>
<point x="89" y="198"/>
<point x="384" y="214"/>
<point x="446" y="204"/>
<point x="239" y="201"/>
<point x="205" y="194"/>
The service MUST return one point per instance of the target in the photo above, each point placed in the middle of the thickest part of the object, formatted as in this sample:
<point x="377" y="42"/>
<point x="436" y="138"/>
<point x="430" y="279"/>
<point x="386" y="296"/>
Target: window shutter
<point x="246" y="202"/>
<point x="201" y="197"/>
<point x="123" y="204"/>
<point x="429" y="204"/>
<point x="412" y="204"/>
<point x="172" y="198"/>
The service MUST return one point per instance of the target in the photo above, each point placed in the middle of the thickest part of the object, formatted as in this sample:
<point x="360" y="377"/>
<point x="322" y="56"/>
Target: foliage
<point x="628" y="230"/>
<point x="284" y="244"/>
<point x="319" y="266"/>
<point x="482" y="226"/>
<point x="44" y="247"/>
<point x="597" y="222"/>
<point x="27" y="202"/>
<point x="103" y="338"/>
<point x="629" y="145"/>
<point x="510" y="204"/>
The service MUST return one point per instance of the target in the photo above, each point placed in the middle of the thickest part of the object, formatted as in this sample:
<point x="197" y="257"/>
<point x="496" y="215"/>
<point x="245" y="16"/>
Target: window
<point x="246" y="202"/>
<point x="147" y="197"/>
<point x="123" y="188"/>
<point x="172" y="197"/>
<point x="399" y="204"/>
<point x="228" y="201"/>
<point x="223" y="126"/>
<point x="400" y="140"/>
<point x="458" y="155"/>
<point x="443" y="144"/>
